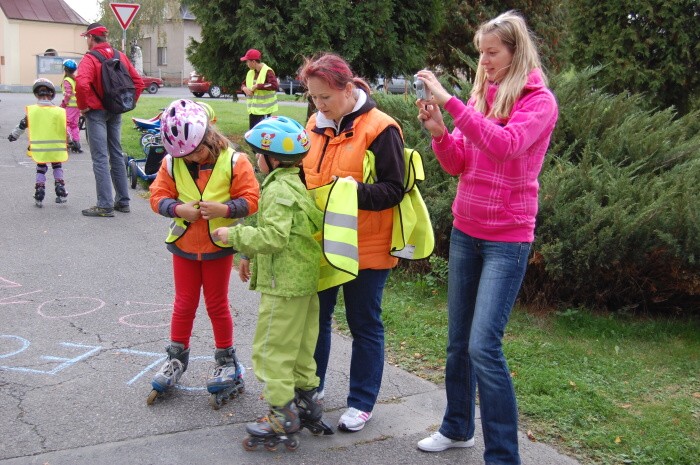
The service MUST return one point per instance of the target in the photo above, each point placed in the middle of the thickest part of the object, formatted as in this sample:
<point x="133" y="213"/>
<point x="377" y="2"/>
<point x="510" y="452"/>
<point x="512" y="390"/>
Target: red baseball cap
<point x="252" y="54"/>
<point x="95" y="29"/>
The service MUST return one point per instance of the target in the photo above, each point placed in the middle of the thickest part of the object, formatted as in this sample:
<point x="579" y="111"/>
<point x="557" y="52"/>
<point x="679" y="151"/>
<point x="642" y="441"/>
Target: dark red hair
<point x="332" y="69"/>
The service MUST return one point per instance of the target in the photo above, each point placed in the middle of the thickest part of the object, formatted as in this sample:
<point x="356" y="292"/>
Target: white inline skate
<point x="226" y="382"/>
<point x="170" y="372"/>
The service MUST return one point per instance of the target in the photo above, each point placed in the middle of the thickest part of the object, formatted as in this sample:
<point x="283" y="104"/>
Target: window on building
<point x="162" y="56"/>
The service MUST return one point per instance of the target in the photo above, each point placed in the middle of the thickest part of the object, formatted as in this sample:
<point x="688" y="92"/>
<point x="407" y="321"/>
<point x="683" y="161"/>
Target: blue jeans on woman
<point x="483" y="282"/>
<point x="363" y="311"/>
<point x="104" y="131"/>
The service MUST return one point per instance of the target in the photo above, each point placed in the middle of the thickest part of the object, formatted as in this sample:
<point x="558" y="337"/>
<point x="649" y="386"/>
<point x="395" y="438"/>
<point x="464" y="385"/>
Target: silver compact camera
<point x="422" y="91"/>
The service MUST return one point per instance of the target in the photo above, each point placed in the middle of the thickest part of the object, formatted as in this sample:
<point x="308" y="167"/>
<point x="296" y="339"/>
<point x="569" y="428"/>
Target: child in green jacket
<point x="285" y="269"/>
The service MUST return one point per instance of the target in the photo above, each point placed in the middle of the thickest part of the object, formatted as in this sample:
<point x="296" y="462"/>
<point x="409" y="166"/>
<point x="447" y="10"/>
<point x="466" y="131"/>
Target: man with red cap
<point x="260" y="88"/>
<point x="104" y="128"/>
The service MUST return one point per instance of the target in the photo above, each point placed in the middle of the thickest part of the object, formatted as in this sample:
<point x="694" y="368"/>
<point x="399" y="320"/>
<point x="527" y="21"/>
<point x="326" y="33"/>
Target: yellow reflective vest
<point x="217" y="190"/>
<point x="412" y="234"/>
<point x="47" y="134"/>
<point x="72" y="101"/>
<point x="262" y="102"/>
<point x="340" y="260"/>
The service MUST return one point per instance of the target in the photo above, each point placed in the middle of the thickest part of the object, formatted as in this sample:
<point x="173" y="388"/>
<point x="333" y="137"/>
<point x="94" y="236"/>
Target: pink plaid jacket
<point x="498" y="162"/>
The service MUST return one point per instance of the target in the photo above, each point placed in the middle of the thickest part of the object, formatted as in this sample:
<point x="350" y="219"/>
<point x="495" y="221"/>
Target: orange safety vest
<point x="343" y="155"/>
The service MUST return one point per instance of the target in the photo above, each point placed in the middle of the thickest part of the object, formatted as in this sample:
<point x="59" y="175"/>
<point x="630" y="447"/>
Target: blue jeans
<point x="363" y="310"/>
<point x="483" y="283"/>
<point x="104" y="135"/>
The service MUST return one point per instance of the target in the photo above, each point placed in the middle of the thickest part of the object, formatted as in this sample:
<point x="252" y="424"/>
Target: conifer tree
<point x="651" y="46"/>
<point x="377" y="37"/>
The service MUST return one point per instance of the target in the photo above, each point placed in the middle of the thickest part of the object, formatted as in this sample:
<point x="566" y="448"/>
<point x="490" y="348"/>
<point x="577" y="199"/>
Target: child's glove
<point x="11" y="138"/>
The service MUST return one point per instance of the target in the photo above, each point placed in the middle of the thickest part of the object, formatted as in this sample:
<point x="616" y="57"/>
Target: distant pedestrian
<point x="104" y="128"/>
<point x="47" y="139"/>
<point x="497" y="149"/>
<point x="260" y="88"/>
<point x="70" y="103"/>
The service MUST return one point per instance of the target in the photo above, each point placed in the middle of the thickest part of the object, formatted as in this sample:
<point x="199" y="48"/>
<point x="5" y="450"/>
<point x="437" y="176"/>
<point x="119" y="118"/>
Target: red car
<point x="199" y="86"/>
<point x="152" y="83"/>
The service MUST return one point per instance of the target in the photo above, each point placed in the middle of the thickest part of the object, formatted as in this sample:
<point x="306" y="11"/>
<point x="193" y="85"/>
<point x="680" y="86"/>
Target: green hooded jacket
<point x="285" y="256"/>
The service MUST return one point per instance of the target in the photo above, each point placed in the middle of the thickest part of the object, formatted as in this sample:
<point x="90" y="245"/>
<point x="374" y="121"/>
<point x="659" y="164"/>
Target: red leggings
<point x="212" y="276"/>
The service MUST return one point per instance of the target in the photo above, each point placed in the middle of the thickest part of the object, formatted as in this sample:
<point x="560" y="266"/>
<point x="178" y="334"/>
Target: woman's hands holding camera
<point x="429" y="112"/>
<point x="439" y="95"/>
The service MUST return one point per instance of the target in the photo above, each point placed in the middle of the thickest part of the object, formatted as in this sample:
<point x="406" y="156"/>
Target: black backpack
<point x="119" y="90"/>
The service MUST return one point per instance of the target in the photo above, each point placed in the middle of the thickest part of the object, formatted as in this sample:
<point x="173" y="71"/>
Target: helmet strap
<point x="270" y="168"/>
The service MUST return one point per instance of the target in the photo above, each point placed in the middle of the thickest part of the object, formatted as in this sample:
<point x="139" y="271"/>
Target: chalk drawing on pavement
<point x="55" y="308"/>
<point x="130" y="319"/>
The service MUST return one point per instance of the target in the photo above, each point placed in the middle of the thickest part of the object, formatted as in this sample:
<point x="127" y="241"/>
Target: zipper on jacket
<point x="323" y="153"/>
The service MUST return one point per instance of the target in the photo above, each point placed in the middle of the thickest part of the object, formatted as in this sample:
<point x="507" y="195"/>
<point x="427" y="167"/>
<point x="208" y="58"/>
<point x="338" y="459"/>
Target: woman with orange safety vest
<point x="346" y="125"/>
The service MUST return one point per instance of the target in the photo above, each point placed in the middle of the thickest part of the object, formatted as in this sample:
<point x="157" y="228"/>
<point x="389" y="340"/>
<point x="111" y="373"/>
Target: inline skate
<point x="277" y="427"/>
<point x="227" y="380"/>
<point x="61" y="193"/>
<point x="170" y="372"/>
<point x="39" y="193"/>
<point x="74" y="146"/>
<point x="311" y="412"/>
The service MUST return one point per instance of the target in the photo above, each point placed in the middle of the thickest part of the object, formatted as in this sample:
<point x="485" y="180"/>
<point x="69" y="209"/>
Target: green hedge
<point x="619" y="219"/>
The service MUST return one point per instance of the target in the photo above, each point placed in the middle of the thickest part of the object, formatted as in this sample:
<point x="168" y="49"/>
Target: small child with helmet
<point x="285" y="269"/>
<point x="47" y="139"/>
<point x="70" y="103"/>
<point x="202" y="184"/>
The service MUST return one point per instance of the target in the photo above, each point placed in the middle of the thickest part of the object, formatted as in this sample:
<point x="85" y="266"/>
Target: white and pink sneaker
<point x="353" y="419"/>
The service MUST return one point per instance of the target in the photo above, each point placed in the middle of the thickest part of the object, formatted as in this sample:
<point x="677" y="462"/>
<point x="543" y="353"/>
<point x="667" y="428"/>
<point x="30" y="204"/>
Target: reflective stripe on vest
<point x="412" y="234"/>
<point x="72" y="101"/>
<point x="47" y="134"/>
<point x="262" y="102"/>
<point x="216" y="190"/>
<point x="340" y="260"/>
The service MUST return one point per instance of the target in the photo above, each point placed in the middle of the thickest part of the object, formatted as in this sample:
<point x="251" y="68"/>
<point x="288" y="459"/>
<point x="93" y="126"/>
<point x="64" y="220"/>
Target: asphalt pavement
<point x="85" y="310"/>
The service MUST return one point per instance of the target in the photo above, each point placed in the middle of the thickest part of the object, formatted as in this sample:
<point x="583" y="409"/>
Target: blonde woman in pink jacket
<point x="497" y="148"/>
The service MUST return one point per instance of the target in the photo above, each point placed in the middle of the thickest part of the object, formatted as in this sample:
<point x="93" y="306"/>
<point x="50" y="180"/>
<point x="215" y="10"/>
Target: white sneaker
<point x="353" y="419"/>
<point x="319" y="395"/>
<point x="436" y="442"/>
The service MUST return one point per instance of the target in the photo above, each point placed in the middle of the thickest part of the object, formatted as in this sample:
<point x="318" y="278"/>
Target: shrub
<point x="619" y="219"/>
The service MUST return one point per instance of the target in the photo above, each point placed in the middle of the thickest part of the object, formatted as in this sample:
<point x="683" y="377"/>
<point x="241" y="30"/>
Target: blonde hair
<point x="511" y="29"/>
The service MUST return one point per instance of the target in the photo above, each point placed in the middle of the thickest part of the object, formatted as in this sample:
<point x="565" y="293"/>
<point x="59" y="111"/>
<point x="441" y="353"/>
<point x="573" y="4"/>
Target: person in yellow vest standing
<point x="260" y="88"/>
<point x="47" y="139"/>
<point x="202" y="185"/>
<point x="70" y="103"/>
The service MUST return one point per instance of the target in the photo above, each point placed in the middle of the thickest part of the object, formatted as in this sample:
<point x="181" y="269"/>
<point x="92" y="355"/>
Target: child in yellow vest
<point x="47" y="139"/>
<point x="202" y="184"/>
<point x="70" y="103"/>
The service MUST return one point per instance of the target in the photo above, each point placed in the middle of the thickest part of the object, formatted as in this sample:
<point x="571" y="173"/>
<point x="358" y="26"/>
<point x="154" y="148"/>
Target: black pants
<point x="255" y="119"/>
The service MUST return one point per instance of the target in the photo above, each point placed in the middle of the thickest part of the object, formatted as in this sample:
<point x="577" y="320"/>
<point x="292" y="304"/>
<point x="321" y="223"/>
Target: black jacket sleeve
<point x="387" y="191"/>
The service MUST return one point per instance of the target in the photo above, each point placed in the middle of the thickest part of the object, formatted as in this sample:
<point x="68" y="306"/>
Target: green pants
<point x="284" y="344"/>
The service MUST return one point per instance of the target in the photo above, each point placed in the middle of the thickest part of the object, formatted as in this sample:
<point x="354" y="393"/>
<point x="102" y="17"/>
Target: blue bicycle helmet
<point x="70" y="65"/>
<point x="279" y="137"/>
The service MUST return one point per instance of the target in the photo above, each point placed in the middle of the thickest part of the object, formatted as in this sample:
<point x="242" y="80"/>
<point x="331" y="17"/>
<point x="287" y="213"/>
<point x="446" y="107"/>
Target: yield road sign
<point x="124" y="12"/>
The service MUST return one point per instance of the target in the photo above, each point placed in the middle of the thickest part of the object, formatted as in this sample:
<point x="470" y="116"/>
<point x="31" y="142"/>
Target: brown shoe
<point x="98" y="211"/>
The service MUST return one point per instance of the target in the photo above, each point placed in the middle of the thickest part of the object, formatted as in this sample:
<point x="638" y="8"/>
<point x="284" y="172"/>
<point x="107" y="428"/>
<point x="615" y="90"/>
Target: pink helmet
<point x="182" y="126"/>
